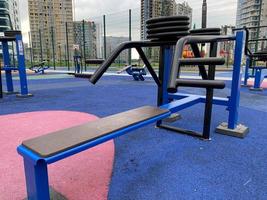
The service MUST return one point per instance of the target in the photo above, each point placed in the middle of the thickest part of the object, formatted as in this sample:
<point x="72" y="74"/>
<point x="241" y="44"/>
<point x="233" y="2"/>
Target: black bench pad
<point x="57" y="142"/>
<point x="94" y="61"/>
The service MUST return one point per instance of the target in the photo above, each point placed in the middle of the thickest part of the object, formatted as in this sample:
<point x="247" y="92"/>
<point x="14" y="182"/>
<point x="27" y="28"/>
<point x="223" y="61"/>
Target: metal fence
<point x="91" y="38"/>
<point x="96" y="37"/>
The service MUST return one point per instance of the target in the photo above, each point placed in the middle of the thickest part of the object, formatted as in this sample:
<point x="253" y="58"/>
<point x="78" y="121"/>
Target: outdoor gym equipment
<point x="252" y="70"/>
<point x="42" y="151"/>
<point x="10" y="37"/>
<point x="136" y="72"/>
<point x="79" y="67"/>
<point x="39" y="68"/>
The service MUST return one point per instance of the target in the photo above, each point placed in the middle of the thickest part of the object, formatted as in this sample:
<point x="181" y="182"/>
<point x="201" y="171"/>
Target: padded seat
<point x="261" y="53"/>
<point x="62" y="141"/>
<point x="259" y="56"/>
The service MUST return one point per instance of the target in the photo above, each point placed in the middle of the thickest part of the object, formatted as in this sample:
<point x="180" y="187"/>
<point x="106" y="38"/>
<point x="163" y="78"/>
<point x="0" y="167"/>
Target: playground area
<point x="147" y="163"/>
<point x="141" y="132"/>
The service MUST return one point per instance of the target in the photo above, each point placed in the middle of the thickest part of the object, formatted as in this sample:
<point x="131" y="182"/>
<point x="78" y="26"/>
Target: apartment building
<point x="14" y="14"/>
<point x="51" y="25"/>
<point x="85" y="36"/>
<point x="252" y="13"/>
<point x="9" y="15"/>
<point x="112" y="43"/>
<point x="184" y="9"/>
<point x="155" y="8"/>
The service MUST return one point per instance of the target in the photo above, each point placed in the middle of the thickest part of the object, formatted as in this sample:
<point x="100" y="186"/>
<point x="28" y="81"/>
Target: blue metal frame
<point x="258" y="78"/>
<point x="247" y="73"/>
<point x="6" y="58"/>
<point x="232" y="102"/>
<point x="167" y="60"/>
<point x="36" y="167"/>
<point x="255" y="73"/>
<point x="36" y="170"/>
<point x="234" y="99"/>
<point x="21" y="66"/>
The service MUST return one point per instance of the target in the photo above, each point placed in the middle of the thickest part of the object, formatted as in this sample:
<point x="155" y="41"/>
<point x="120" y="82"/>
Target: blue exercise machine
<point x="10" y="37"/>
<point x="39" y="68"/>
<point x="252" y="70"/>
<point x="136" y="72"/>
<point x="39" y="152"/>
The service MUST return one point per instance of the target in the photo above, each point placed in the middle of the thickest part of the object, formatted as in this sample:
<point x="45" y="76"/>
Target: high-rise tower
<point x="155" y="8"/>
<point x="48" y="20"/>
<point x="9" y="15"/>
<point x="204" y="14"/>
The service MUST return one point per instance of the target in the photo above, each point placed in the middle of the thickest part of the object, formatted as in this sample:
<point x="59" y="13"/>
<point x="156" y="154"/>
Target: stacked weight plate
<point x="167" y="28"/>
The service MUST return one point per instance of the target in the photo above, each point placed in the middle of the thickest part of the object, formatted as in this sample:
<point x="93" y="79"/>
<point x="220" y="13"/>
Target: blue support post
<point x="6" y="57"/>
<point x="258" y="80"/>
<point x="165" y="63"/>
<point x="36" y="179"/>
<point x="167" y="60"/>
<point x="246" y="77"/>
<point x="21" y="67"/>
<point x="232" y="128"/>
<point x="236" y="81"/>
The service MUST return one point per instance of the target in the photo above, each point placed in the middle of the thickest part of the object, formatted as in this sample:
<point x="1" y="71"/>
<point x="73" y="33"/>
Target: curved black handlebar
<point x="179" y="53"/>
<point x="128" y="45"/>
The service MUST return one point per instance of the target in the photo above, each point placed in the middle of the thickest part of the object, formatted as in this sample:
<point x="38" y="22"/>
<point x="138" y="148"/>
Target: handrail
<point x="179" y="53"/>
<point x="128" y="45"/>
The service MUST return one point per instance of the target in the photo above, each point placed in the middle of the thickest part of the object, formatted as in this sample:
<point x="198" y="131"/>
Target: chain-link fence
<point x="97" y="37"/>
<point x="91" y="38"/>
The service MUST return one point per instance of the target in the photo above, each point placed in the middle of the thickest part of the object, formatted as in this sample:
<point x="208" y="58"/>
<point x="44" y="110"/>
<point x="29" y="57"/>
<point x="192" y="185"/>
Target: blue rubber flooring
<point x="152" y="163"/>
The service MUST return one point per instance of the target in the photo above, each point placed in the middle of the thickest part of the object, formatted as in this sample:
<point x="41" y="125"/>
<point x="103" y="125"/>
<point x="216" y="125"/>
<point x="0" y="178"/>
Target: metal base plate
<point x="24" y="96"/>
<point x="240" y="131"/>
<point x="10" y="93"/>
<point x="173" y="118"/>
<point x="245" y="85"/>
<point x="256" y="89"/>
<point x="54" y="195"/>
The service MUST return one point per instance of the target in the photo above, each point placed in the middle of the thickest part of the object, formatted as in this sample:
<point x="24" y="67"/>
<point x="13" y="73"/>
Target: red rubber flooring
<point x="263" y="85"/>
<point x="84" y="176"/>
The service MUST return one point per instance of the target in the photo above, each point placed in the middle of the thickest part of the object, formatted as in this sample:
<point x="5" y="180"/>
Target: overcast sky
<point x="220" y="12"/>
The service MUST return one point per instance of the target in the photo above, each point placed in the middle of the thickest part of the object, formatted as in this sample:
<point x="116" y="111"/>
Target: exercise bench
<point x="44" y="150"/>
<point x="39" y="152"/>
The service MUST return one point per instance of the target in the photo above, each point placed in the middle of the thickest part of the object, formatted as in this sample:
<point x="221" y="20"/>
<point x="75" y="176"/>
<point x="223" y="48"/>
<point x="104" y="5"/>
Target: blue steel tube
<point x="236" y="81"/>
<point x="164" y="75"/>
<point x="21" y="66"/>
<point x="6" y="57"/>
<point x="36" y="175"/>
<point x="246" y="77"/>
<point x="258" y="79"/>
